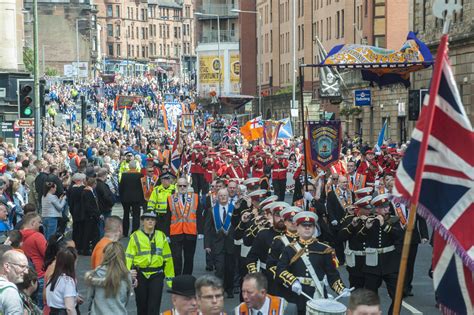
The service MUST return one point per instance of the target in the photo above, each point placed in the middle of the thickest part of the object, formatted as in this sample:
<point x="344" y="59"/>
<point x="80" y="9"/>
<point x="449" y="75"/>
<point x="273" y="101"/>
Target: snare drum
<point x="325" y="307"/>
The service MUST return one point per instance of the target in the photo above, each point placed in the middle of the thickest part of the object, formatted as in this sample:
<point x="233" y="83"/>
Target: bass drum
<point x="325" y="307"/>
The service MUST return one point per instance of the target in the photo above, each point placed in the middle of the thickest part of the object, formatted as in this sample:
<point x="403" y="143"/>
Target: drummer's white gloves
<point x="308" y="196"/>
<point x="296" y="287"/>
<point x="334" y="222"/>
<point x="346" y="292"/>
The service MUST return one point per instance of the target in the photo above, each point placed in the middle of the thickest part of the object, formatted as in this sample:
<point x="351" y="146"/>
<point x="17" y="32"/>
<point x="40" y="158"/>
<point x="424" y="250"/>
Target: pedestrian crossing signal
<point x="26" y="99"/>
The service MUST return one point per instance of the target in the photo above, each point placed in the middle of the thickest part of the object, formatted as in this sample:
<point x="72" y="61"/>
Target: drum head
<point x="327" y="306"/>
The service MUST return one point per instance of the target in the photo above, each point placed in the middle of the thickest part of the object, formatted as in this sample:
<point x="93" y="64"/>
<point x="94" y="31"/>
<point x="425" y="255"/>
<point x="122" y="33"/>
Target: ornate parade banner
<point x="187" y="122"/>
<point x="382" y="66"/>
<point x="323" y="144"/>
<point x="271" y="129"/>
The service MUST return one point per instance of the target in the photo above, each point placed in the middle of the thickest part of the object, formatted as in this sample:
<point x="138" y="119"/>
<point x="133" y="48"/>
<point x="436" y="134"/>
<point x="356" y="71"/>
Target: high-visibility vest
<point x="183" y="216"/>
<point x="158" y="201"/>
<point x="274" y="309"/>
<point x="150" y="256"/>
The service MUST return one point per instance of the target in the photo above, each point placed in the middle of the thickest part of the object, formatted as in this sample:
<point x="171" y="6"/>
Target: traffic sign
<point x="25" y="123"/>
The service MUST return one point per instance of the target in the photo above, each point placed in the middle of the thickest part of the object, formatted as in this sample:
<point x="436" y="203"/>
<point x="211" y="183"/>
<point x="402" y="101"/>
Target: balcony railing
<point x="211" y="37"/>
<point x="223" y="10"/>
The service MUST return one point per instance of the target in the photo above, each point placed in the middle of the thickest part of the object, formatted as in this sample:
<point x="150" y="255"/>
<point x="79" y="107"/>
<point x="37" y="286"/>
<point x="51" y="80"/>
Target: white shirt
<point x="65" y="287"/>
<point x="264" y="309"/>
<point x="221" y="211"/>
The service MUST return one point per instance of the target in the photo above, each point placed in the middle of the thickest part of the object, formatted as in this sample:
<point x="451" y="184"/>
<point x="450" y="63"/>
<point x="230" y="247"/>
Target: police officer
<point x="158" y="201"/>
<point x="304" y="263"/>
<point x="149" y="253"/>
<point x="262" y="243"/>
<point x="124" y="165"/>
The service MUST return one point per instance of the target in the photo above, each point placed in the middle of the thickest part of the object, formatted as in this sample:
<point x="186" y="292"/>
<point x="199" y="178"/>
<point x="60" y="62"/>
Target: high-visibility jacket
<point x="277" y="307"/>
<point x="158" y="201"/>
<point x="125" y="167"/>
<point x="150" y="255"/>
<point x="183" y="216"/>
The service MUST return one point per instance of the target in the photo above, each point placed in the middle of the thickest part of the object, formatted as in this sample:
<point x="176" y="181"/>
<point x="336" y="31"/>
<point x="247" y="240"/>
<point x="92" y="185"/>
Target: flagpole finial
<point x="444" y="10"/>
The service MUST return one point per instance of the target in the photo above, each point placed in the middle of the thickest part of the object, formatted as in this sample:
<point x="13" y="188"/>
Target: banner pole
<point x="303" y="127"/>
<point x="441" y="54"/>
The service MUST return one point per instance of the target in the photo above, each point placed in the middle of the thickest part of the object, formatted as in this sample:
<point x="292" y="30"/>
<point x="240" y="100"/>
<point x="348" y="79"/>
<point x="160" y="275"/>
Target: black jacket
<point x="74" y="200"/>
<point x="42" y="178"/>
<point x="104" y="196"/>
<point x="130" y="188"/>
<point x="90" y="204"/>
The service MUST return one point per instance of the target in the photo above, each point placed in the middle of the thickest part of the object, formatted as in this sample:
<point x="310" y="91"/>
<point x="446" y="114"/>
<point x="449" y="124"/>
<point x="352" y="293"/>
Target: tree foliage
<point x="28" y="59"/>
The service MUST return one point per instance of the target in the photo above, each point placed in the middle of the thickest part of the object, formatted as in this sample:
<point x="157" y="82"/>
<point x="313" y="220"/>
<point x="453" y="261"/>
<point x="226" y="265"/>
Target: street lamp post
<point x="259" y="55"/>
<point x="218" y="45"/>
<point x="77" y="46"/>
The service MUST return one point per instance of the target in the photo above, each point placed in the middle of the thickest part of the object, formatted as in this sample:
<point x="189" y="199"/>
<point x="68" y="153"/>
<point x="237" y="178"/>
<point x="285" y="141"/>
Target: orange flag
<point x="253" y="129"/>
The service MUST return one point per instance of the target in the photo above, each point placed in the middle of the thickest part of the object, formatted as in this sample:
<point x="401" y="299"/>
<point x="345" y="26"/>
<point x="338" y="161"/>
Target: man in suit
<point x="131" y="196"/>
<point x="219" y="239"/>
<point x="339" y="199"/>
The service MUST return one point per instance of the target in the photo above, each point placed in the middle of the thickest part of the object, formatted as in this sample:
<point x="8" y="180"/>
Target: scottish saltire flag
<point x="447" y="191"/>
<point x="378" y="146"/>
<point x="286" y="131"/>
<point x="175" y="155"/>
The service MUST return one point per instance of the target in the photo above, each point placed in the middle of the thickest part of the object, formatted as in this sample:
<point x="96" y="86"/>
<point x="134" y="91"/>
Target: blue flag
<point x="381" y="137"/>
<point x="286" y="131"/>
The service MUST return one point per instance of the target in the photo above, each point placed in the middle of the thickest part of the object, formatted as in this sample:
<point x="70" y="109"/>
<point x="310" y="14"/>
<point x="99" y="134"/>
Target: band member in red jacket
<point x="235" y="170"/>
<point x="279" y="170"/>
<point x="197" y="171"/>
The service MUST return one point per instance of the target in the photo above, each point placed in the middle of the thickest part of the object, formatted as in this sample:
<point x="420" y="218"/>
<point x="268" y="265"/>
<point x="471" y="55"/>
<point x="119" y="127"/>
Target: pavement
<point x="423" y="299"/>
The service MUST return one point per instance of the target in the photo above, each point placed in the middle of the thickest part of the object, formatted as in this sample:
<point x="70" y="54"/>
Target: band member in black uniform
<point x="304" y="263"/>
<point x="278" y="244"/>
<point x="355" y="247"/>
<point x="381" y="233"/>
<point x="262" y="243"/>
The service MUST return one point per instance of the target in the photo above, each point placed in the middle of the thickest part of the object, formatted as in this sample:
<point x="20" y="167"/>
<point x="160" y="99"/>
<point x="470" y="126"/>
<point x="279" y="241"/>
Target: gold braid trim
<point x="338" y="286"/>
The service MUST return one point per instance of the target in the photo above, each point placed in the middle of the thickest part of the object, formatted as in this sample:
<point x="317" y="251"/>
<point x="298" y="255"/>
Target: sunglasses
<point x="307" y="224"/>
<point x="182" y="185"/>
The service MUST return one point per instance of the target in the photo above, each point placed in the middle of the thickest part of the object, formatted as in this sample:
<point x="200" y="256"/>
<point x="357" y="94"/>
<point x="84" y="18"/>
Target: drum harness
<point x="312" y="272"/>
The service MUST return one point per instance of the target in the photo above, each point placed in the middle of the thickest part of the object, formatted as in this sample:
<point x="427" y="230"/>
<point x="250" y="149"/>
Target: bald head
<point x="13" y="265"/>
<point x="223" y="196"/>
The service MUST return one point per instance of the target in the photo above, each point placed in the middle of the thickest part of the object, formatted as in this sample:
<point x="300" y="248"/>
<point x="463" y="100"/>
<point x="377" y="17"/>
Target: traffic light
<point x="413" y="104"/>
<point x="26" y="99"/>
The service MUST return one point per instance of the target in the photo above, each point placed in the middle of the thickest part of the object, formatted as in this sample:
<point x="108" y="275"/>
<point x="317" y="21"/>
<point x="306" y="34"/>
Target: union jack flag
<point x="232" y="129"/>
<point x="446" y="198"/>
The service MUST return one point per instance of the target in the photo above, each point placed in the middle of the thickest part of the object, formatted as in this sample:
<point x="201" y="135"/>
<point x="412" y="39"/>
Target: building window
<point x="109" y="10"/>
<point x="342" y="23"/>
<point x="143" y="52"/>
<point x="117" y="11"/>
<point x="338" y="22"/>
<point x="366" y="8"/>
<point x="111" y="50"/>
<point x="175" y="32"/>
<point x="110" y="30"/>
<point x="232" y="29"/>
<point x="133" y="51"/>
<point x="117" y="30"/>
<point x="118" y="50"/>
<point x="128" y="50"/>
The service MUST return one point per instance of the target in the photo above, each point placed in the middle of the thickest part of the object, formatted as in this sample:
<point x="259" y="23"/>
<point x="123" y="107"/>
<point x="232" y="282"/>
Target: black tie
<point x="182" y="198"/>
<point x="224" y="215"/>
<point x="259" y="313"/>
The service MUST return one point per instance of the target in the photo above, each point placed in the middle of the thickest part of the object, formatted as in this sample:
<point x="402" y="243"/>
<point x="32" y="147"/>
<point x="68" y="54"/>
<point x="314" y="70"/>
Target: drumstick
<point x="306" y="295"/>
<point x="343" y="294"/>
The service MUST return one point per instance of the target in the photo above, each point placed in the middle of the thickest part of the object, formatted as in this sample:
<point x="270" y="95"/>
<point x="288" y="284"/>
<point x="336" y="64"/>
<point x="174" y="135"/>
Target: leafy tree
<point x="51" y="72"/>
<point x="28" y="59"/>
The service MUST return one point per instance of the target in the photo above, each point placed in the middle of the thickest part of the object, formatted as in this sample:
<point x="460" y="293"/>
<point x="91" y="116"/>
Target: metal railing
<point x="223" y="10"/>
<point x="211" y="37"/>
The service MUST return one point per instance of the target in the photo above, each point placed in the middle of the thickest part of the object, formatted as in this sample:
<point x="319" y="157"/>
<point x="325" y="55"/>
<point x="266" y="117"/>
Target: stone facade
<point x="57" y="33"/>
<point x="461" y="48"/>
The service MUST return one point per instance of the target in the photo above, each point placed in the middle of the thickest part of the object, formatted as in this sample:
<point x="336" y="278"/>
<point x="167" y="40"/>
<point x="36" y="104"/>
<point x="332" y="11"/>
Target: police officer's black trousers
<point x="148" y="294"/>
<point x="225" y="269"/>
<point x="183" y="245"/>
